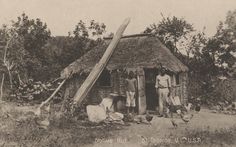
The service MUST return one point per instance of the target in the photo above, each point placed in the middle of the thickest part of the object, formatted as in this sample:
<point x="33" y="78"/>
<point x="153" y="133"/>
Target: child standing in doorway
<point x="131" y="88"/>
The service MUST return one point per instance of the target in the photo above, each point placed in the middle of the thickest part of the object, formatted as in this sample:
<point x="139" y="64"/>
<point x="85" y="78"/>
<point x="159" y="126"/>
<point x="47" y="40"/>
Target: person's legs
<point x="132" y="101"/>
<point x="165" y="100"/>
<point x="158" y="96"/>
<point x="127" y="102"/>
<point x="160" y="102"/>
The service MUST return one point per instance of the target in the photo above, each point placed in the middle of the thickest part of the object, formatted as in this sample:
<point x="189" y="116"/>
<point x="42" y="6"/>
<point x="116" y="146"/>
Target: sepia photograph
<point x="117" y="73"/>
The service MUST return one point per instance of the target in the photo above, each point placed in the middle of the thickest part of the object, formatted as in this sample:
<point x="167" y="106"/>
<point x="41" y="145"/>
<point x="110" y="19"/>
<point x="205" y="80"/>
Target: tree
<point x="84" y="38"/>
<point x="7" y="38"/>
<point x="222" y="46"/>
<point x="24" y="55"/>
<point x="95" y="29"/>
<point x="34" y="33"/>
<point x="60" y="51"/>
<point x="231" y="20"/>
<point x="184" y="41"/>
<point x="170" y="30"/>
<point x="215" y="54"/>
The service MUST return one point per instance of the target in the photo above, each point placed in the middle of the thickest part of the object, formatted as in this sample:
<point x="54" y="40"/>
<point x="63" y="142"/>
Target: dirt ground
<point x="18" y="128"/>
<point x="205" y="129"/>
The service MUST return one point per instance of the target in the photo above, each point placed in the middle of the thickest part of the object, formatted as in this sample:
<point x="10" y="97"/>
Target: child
<point x="131" y="87"/>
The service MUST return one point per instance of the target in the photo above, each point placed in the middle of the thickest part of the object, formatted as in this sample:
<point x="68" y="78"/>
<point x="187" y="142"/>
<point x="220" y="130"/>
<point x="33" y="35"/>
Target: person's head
<point x="162" y="71"/>
<point x="131" y="74"/>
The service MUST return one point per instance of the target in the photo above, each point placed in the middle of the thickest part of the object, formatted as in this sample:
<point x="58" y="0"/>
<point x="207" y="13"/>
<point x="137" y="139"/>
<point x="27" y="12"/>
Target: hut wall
<point x="117" y="85"/>
<point x="185" y="87"/>
<point x="98" y="92"/>
<point x="181" y="88"/>
<point x="121" y="84"/>
<point x="176" y="88"/>
<point x="104" y="92"/>
<point x="73" y="84"/>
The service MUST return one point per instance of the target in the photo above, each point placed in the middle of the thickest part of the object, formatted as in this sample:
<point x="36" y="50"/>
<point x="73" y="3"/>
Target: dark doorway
<point x="151" y="96"/>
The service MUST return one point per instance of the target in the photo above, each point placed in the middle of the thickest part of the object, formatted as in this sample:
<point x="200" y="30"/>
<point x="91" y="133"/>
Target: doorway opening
<point x="150" y="90"/>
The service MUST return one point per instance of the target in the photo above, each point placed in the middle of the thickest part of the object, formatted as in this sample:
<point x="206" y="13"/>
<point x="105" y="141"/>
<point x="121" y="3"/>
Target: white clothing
<point x="163" y="81"/>
<point x="130" y="100"/>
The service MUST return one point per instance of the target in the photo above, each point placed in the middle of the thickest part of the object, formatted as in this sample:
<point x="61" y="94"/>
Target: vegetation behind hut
<point x="40" y="56"/>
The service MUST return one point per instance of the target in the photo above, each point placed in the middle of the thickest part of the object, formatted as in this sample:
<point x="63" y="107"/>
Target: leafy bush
<point x="35" y="91"/>
<point x="223" y="93"/>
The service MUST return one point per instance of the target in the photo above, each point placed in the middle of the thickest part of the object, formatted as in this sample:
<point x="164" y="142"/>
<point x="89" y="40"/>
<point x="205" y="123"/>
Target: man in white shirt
<point x="163" y="86"/>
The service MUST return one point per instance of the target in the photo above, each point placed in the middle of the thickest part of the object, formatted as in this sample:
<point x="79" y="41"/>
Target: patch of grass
<point x="224" y="136"/>
<point x="63" y="132"/>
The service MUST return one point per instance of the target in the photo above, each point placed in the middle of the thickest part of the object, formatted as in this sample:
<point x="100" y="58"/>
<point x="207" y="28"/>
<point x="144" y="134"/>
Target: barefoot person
<point x="131" y="86"/>
<point x="163" y="85"/>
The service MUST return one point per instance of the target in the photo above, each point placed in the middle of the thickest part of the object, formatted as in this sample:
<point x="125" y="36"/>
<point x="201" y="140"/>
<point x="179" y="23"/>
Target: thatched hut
<point x="143" y="54"/>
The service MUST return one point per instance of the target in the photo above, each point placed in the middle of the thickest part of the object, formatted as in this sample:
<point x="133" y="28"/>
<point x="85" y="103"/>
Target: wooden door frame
<point x="141" y="91"/>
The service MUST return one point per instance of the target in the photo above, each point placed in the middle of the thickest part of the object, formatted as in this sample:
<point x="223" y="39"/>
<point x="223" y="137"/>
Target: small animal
<point x="188" y="107"/>
<point x="178" y="111"/>
<point x="149" y="118"/>
<point x="131" y="118"/>
<point x="174" y="123"/>
<point x="186" y="117"/>
<point x="143" y="119"/>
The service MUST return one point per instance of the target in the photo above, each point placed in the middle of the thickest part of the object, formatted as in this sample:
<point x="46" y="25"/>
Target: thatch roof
<point x="131" y="52"/>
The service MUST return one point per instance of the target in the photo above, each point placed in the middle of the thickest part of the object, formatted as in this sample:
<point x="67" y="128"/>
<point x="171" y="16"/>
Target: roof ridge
<point x="130" y="36"/>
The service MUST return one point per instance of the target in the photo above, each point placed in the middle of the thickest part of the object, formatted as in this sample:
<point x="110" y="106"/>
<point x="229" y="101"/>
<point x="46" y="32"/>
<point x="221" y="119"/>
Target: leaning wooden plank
<point x="98" y="68"/>
<point x="38" y="110"/>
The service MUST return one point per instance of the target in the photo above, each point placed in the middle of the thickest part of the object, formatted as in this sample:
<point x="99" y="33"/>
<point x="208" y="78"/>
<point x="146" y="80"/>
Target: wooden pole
<point x="38" y="111"/>
<point x="98" y="68"/>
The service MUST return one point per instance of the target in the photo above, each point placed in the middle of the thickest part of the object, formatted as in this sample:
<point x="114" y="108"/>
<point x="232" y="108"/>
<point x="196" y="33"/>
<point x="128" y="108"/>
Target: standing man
<point x="163" y="86"/>
<point x="131" y="87"/>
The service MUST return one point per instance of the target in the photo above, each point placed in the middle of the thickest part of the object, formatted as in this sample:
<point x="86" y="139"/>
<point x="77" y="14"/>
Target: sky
<point x="61" y="16"/>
